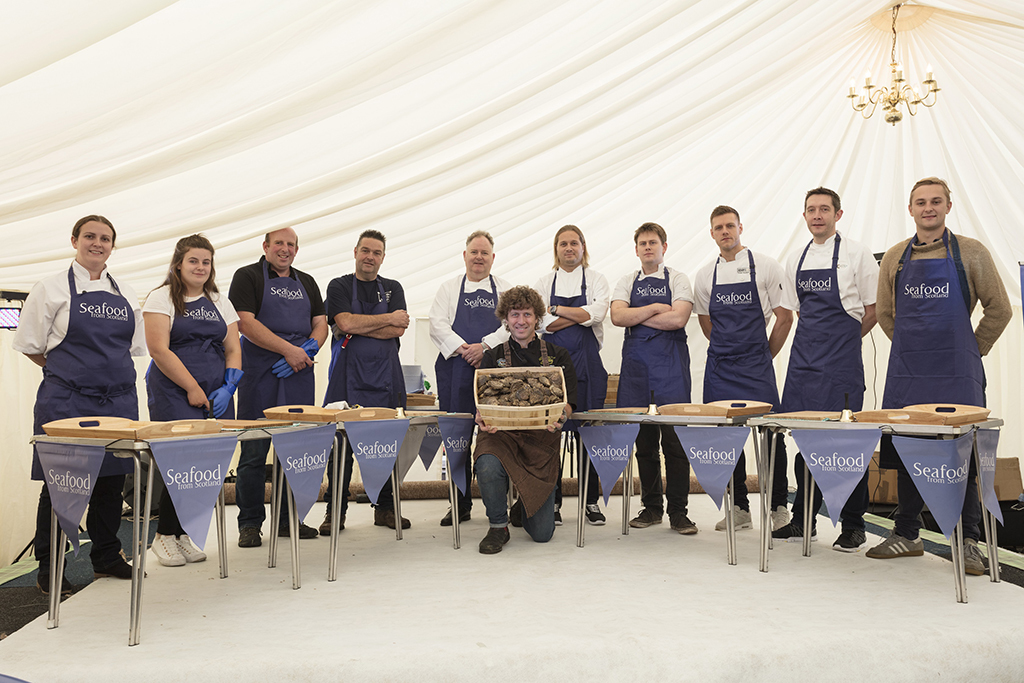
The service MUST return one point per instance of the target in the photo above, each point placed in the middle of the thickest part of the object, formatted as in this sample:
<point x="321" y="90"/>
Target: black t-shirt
<point x="339" y="296"/>
<point x="530" y="357"/>
<point x="246" y="293"/>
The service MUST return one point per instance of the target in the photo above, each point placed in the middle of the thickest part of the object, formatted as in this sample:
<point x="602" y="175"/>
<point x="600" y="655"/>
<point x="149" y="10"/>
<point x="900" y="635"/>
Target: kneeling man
<point x="528" y="457"/>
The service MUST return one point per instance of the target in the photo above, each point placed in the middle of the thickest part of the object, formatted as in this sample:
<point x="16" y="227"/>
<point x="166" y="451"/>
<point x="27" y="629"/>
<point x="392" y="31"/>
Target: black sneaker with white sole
<point x="594" y="515"/>
<point x="850" y="541"/>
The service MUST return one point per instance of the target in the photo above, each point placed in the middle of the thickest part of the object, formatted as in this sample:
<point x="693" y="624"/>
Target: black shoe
<point x="515" y="514"/>
<point x="325" y="526"/>
<point x="43" y="584"/>
<point x="792" y="533"/>
<point x="118" y="569"/>
<point x="249" y="537"/>
<point x="494" y="540"/>
<point x="646" y="518"/>
<point x="304" y="531"/>
<point x="558" y="516"/>
<point x="681" y="523"/>
<point x="386" y="517"/>
<point x="850" y="541"/>
<point x="594" y="515"/>
<point x="447" y="519"/>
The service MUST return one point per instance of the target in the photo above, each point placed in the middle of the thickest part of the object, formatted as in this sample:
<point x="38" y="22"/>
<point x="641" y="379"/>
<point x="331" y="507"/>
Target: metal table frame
<point x="598" y="417"/>
<point x="766" y="459"/>
<point x="139" y="451"/>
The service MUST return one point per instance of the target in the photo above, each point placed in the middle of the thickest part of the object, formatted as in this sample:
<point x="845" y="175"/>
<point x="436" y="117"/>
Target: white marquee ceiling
<point x="430" y="120"/>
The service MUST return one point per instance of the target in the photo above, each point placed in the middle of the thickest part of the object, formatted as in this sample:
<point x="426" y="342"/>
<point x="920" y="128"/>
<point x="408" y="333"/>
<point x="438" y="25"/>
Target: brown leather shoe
<point x="386" y="517"/>
<point x="325" y="526"/>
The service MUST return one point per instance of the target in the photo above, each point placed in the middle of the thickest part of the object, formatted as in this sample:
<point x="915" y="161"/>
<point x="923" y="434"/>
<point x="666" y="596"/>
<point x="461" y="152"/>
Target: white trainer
<point x="167" y="551"/>
<point x="780" y="517"/>
<point x="189" y="551"/>
<point x="740" y="517"/>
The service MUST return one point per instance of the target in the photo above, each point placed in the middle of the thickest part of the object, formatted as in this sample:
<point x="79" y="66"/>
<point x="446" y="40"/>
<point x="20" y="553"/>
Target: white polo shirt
<point x="769" y="275"/>
<point x="856" y="274"/>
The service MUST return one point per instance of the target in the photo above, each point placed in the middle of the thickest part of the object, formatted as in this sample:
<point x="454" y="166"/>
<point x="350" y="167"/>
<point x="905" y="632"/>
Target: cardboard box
<point x="881" y="483"/>
<point x="1008" y="481"/>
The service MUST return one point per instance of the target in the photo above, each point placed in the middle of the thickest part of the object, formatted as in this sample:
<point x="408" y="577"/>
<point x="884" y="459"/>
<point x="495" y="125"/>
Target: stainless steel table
<point x="140" y="452"/>
<point x="775" y="427"/>
<point x="599" y="417"/>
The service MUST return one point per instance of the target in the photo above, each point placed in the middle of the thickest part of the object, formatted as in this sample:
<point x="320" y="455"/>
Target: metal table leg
<point x="222" y="548"/>
<point x="293" y="536"/>
<point x="397" y="493"/>
<point x="627" y="493"/>
<point x="764" y="443"/>
<point x="957" y="548"/>
<point x="332" y="563"/>
<point x="730" y="523"/>
<point x="276" y="487"/>
<point x="57" y="543"/>
<point x="584" y="479"/>
<point x="139" y="542"/>
<point x="988" y="519"/>
<point x="453" y="498"/>
<point x="808" y="512"/>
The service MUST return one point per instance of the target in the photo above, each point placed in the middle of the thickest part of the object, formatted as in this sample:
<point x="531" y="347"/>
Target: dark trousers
<point x="593" y="484"/>
<point x="677" y="469"/>
<point x="250" y="486"/>
<point x="465" y="500"/>
<point x="780" y="486"/>
<point x="101" y="521"/>
<point x="852" y="515"/>
<point x="385" y="500"/>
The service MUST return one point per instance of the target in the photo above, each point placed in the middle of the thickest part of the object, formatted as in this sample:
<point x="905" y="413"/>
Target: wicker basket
<point x="519" y="417"/>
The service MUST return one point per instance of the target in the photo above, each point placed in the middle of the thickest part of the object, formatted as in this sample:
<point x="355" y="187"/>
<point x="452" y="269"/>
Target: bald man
<point x="282" y="318"/>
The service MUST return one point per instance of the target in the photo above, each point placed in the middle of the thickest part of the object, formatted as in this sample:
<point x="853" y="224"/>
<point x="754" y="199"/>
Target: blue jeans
<point x="250" y="485"/>
<point x="852" y="514"/>
<point x="493" y="481"/>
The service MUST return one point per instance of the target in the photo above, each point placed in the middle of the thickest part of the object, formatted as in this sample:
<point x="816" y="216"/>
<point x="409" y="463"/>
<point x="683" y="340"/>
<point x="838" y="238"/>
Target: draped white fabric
<point x="428" y="120"/>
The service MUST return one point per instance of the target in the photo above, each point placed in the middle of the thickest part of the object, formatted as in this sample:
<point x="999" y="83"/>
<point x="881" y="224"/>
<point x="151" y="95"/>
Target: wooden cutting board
<point x="948" y="414"/>
<point x="106" y="427"/>
<point x="622" y="411"/>
<point x="300" y="413"/>
<point x="255" y="424"/>
<point x="810" y="415"/>
<point x="359" y="414"/>
<point x="717" y="408"/>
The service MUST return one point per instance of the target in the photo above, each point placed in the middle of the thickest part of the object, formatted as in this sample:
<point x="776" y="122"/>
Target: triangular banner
<point x="303" y="455"/>
<point x="939" y="468"/>
<point x="988" y="440"/>
<point x="838" y="461"/>
<point x="375" y="444"/>
<point x="713" y="452"/>
<point x="609" y="448"/>
<point x="428" y="447"/>
<point x="457" y="433"/>
<point x="70" y="472"/>
<point x="193" y="471"/>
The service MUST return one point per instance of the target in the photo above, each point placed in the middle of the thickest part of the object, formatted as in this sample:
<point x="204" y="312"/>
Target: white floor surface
<point x="652" y="605"/>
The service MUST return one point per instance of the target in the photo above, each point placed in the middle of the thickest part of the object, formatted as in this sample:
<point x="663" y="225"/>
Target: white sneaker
<point x="780" y="517"/>
<point x="167" y="551"/>
<point x="740" y="517"/>
<point x="189" y="551"/>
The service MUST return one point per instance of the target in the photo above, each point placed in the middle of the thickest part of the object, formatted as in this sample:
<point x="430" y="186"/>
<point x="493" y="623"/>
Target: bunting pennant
<point x="193" y="471"/>
<point x="303" y="455"/>
<point x="70" y="472"/>
<point x="939" y="469"/>
<point x="430" y="444"/>
<point x="457" y="434"/>
<point x="609" y="447"/>
<point x="838" y="461"/>
<point x="988" y="440"/>
<point x="375" y="444"/>
<point x="713" y="452"/>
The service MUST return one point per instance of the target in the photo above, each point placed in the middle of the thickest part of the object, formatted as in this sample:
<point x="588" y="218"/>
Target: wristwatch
<point x="552" y="309"/>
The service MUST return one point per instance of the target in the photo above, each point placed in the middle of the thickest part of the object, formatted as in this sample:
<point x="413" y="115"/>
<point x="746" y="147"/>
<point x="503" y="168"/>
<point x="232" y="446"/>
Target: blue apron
<point x="366" y="371"/>
<point x="197" y="339"/>
<point x="653" y="361"/>
<point x="474" y="319"/>
<point x="739" y="365"/>
<point x="825" y="363"/>
<point x="91" y="372"/>
<point x="934" y="356"/>
<point x="286" y="311"/>
<point x="581" y="343"/>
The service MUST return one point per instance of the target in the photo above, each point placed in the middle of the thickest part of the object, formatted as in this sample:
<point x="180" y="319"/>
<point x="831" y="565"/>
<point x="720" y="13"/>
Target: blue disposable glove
<point x="220" y="399"/>
<point x="310" y="346"/>
<point x="281" y="369"/>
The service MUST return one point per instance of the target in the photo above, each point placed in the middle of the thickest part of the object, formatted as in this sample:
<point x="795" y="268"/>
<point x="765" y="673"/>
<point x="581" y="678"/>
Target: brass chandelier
<point x="898" y="94"/>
